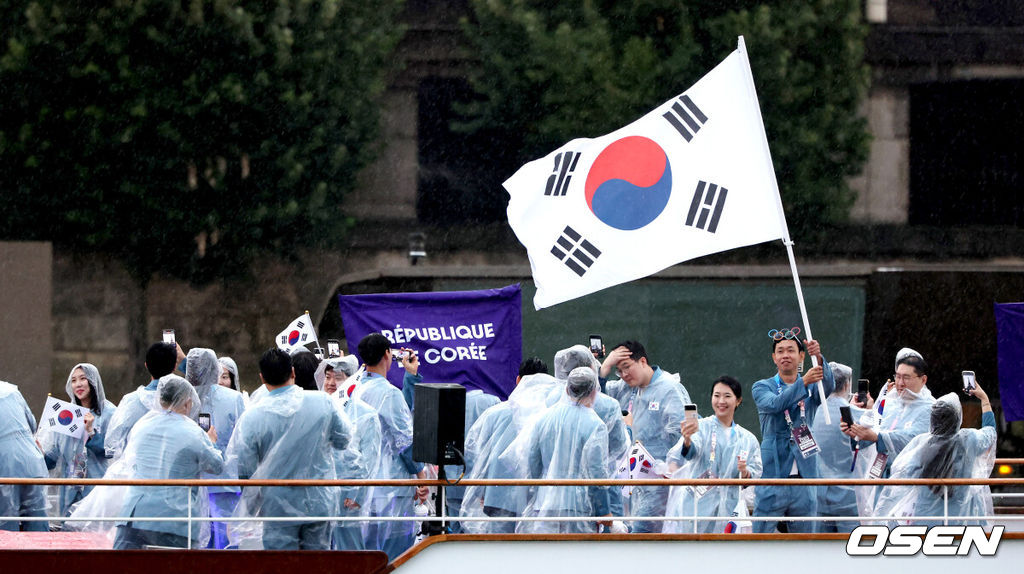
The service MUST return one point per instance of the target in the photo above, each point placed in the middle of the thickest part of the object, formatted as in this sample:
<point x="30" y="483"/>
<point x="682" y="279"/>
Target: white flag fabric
<point x="298" y="333"/>
<point x="690" y="178"/>
<point x="63" y="417"/>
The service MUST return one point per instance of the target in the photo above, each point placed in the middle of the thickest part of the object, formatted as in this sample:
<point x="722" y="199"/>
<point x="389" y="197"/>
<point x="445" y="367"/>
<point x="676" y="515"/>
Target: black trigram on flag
<point x="558" y="182"/>
<point x="577" y="253"/>
<point x="684" y="111"/>
<point x="709" y="199"/>
<point x="78" y="413"/>
<point x="55" y="407"/>
<point x="73" y="428"/>
<point x="53" y="422"/>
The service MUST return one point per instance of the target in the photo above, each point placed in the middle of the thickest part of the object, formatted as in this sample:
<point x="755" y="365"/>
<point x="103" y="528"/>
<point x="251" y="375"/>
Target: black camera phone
<point x="204" y="421"/>
<point x="846" y="414"/>
<point x="597" y="346"/>
<point x="862" y="390"/>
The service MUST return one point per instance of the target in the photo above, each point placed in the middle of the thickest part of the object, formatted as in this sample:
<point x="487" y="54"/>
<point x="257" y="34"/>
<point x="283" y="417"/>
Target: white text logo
<point x="934" y="541"/>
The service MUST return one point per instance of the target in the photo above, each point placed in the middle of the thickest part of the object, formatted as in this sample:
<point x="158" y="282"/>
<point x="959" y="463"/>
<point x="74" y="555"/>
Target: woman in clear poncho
<point x="360" y="460"/>
<point x="486" y="441"/>
<point x="84" y="457"/>
<point x="569" y="441"/>
<point x="713" y="447"/>
<point x="168" y="444"/>
<point x="946" y="451"/>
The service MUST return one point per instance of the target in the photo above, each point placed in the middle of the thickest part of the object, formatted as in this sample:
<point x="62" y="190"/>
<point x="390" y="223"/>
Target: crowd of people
<point x="333" y="418"/>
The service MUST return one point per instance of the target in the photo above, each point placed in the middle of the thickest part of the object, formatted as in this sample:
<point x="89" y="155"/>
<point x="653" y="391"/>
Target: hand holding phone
<point x="169" y="336"/>
<point x="597" y="346"/>
<point x="690" y="411"/>
<point x="204" y="421"/>
<point x="862" y="391"/>
<point x="969" y="383"/>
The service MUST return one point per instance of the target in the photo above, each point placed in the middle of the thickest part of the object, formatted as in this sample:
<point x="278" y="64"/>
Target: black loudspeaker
<point x="439" y="423"/>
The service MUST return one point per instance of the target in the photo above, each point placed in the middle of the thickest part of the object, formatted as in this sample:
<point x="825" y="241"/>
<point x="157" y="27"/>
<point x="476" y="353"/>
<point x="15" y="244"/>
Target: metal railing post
<point x="945" y="505"/>
<point x="188" y="495"/>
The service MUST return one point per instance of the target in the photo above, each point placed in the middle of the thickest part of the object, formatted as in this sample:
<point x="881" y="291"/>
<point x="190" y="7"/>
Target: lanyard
<point x="714" y="442"/>
<point x="803" y="409"/>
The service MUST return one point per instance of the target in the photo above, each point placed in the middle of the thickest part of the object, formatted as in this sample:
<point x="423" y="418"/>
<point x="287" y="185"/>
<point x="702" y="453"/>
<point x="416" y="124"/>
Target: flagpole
<point x="782" y="217"/>
<point x="315" y="337"/>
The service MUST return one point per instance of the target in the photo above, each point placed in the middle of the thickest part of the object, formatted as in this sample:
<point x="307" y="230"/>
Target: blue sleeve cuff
<point x="411" y="466"/>
<point x="599" y="498"/>
<point x="880" y="445"/>
<point x="988" y="419"/>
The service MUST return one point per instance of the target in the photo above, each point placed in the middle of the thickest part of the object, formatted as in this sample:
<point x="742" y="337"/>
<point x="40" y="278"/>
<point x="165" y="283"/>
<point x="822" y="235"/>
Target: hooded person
<point x="569" y="441"/>
<point x="486" y="441"/>
<point x="168" y="444"/>
<point x="20" y="458"/>
<point x="289" y="434"/>
<point x="713" y="447"/>
<point x="837" y="459"/>
<point x="224" y="406"/>
<point x="360" y="460"/>
<point x="84" y="457"/>
<point x="945" y="451"/>
<point x="606" y="407"/>
<point x="161" y="359"/>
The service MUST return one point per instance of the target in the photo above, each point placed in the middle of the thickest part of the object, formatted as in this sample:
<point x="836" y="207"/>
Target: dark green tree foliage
<point x="187" y="136"/>
<point x="550" y="72"/>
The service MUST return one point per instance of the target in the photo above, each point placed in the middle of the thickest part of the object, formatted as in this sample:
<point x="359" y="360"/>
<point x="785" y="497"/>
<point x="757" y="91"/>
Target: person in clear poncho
<point x="229" y="374"/>
<point x="713" y="447"/>
<point x="605" y="406"/>
<point x="396" y="430"/>
<point x="360" y="460"/>
<point x="289" y="434"/>
<point x="225" y="406"/>
<point x="654" y="400"/>
<point x="82" y="457"/>
<point x="20" y="458"/>
<point x="899" y="426"/>
<point x="477" y="402"/>
<point x="945" y="451"/>
<point x="161" y="358"/>
<point x="569" y="441"/>
<point x="168" y="444"/>
<point x="488" y="439"/>
<point x="836" y="459"/>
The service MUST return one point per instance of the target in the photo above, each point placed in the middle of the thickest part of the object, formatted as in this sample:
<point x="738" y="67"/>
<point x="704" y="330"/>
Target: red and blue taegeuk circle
<point x="629" y="184"/>
<point x="293" y="337"/>
<point x="65" y="417"/>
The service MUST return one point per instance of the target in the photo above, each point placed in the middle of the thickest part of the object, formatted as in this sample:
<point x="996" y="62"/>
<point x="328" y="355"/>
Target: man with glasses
<point x="786" y="405"/>
<point x="911" y="419"/>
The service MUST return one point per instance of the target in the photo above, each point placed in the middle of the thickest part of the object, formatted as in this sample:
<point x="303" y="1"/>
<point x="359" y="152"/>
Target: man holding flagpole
<point x="786" y="407"/>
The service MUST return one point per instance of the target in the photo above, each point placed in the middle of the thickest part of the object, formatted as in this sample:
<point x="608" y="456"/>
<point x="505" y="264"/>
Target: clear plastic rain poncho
<point x="477" y="402"/>
<point x="901" y="425"/>
<point x="132" y="407"/>
<point x="105" y="501"/>
<point x="168" y="444"/>
<point x="946" y="451"/>
<point x="229" y="365"/>
<point x="19" y="458"/>
<point x="360" y="460"/>
<point x="289" y="434"/>
<point x="396" y="434"/>
<point x="84" y="457"/>
<point x="714" y="452"/>
<point x="346" y="365"/>
<point x="225" y="406"/>
<point x="486" y="441"/>
<point x="569" y="441"/>
<point x="836" y="459"/>
<point x="888" y="403"/>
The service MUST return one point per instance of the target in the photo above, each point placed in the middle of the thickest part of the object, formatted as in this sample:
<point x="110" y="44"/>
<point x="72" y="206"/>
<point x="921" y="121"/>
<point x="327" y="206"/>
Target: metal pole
<point x="945" y="505"/>
<point x="188" y="495"/>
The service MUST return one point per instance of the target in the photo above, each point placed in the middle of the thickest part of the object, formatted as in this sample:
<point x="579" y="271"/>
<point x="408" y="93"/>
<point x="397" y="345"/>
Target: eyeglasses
<point x="780" y="334"/>
<point x="903" y="378"/>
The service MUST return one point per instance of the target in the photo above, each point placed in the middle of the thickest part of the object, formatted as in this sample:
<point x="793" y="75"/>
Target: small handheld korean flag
<point x="692" y="177"/>
<point x="298" y="333"/>
<point x="63" y="417"/>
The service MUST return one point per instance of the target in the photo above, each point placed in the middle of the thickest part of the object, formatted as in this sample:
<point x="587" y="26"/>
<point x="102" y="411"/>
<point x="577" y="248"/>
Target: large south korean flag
<point x="690" y="178"/>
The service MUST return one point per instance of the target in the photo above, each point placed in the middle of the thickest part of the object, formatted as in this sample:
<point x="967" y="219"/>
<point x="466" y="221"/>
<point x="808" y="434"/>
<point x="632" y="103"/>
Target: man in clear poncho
<point x="946" y="451"/>
<point x="488" y="439"/>
<point x="900" y="426"/>
<point x="396" y="430"/>
<point x="713" y="447"/>
<point x="605" y="406"/>
<point x="225" y="406"/>
<point x="569" y="441"/>
<point x="836" y="459"/>
<point x="20" y="458"/>
<point x="80" y="457"/>
<point x="477" y="402"/>
<point x="289" y="434"/>
<point x="161" y="358"/>
<point x="654" y="400"/>
<point x="168" y="444"/>
<point x="360" y="460"/>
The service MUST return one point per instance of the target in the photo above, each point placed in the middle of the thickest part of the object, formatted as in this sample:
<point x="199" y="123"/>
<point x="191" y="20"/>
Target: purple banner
<point x="1010" y="343"/>
<point x="473" y="338"/>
